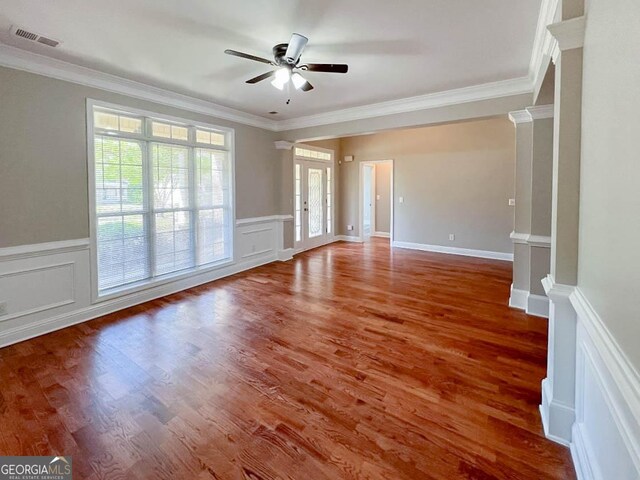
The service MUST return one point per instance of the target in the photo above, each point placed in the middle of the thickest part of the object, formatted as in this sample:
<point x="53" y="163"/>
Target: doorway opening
<point x="376" y="199"/>
<point x="314" y="194"/>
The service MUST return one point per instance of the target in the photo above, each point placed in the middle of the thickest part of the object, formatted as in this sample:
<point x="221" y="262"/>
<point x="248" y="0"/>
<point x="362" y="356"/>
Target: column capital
<point x="569" y="34"/>
<point x="520" y="116"/>
<point x="283" y="145"/>
<point x="540" y="112"/>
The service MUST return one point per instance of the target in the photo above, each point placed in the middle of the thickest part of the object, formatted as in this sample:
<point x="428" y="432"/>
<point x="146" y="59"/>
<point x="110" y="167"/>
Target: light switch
<point x="401" y="199"/>
<point x="377" y="197"/>
<point x="512" y="202"/>
<point x="349" y="227"/>
<point x="452" y="237"/>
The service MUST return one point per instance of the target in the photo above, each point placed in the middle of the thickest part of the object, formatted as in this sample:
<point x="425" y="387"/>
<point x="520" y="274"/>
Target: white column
<point x="558" y="389"/>
<point x="532" y="221"/>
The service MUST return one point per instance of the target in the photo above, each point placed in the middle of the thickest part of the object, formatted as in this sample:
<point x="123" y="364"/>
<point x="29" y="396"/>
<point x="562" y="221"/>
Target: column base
<point x="557" y="418"/>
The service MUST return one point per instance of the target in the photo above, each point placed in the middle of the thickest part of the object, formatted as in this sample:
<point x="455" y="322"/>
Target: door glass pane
<point x="329" y="219"/>
<point x="298" y="206"/>
<point x="315" y="202"/>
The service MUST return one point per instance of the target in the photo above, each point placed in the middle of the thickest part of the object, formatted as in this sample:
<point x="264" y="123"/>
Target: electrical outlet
<point x="349" y="227"/>
<point x="3" y="308"/>
<point x="512" y="202"/>
<point x="401" y="199"/>
<point x="452" y="237"/>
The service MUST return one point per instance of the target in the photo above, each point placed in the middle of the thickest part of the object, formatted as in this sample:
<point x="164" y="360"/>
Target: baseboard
<point x="537" y="305"/>
<point x="455" y="251"/>
<point x="381" y="234"/>
<point x="557" y="419"/>
<point x="348" y="238"/>
<point x="518" y="298"/>
<point x="581" y="452"/>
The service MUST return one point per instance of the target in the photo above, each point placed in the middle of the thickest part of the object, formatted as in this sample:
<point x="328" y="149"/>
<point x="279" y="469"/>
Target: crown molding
<point x="486" y="91"/>
<point x="19" y="59"/>
<point x="568" y="33"/>
<point x="520" y="116"/>
<point x="543" y="44"/>
<point x="540" y="112"/>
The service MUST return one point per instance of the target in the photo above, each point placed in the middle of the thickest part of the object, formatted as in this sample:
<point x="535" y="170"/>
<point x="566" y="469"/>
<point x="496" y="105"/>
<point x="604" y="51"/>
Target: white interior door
<point x="367" y="202"/>
<point x="312" y="204"/>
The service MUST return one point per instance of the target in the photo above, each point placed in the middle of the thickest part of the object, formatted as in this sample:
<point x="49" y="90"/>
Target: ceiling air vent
<point x="34" y="37"/>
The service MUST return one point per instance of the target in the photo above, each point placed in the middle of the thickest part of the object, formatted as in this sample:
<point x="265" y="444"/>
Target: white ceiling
<point x="395" y="49"/>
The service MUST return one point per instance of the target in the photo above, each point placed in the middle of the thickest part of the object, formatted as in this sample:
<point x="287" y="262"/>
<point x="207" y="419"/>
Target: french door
<point x="313" y="203"/>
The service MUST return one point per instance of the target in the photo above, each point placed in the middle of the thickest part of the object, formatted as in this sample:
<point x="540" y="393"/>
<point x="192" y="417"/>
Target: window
<point x="163" y="199"/>
<point x="312" y="154"/>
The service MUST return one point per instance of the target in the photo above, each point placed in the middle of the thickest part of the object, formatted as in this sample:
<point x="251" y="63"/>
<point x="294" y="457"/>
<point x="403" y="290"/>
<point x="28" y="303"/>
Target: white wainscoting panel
<point x="38" y="282"/>
<point x="605" y="440"/>
<point x="46" y="287"/>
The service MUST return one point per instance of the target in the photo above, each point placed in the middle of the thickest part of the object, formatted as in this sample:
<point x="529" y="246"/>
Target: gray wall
<point x="43" y="159"/>
<point x="609" y="257"/>
<point x="455" y="178"/>
<point x="383" y="190"/>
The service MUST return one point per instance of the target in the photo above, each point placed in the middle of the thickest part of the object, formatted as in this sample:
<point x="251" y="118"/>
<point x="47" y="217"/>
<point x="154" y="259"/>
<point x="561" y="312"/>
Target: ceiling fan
<point x="286" y="56"/>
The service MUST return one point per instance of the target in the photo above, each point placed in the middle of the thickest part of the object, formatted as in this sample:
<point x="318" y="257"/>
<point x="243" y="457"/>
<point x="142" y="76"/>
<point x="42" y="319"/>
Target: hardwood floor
<point x="351" y="361"/>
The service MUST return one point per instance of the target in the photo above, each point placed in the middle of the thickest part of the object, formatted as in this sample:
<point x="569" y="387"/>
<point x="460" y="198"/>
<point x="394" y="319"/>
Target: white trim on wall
<point x="40" y="308"/>
<point x="19" y="59"/>
<point x="475" y="93"/>
<point x="348" y="238"/>
<point x="454" y="250"/>
<point x="605" y="440"/>
<point x="48" y="248"/>
<point x="544" y="46"/>
<point x="381" y="234"/>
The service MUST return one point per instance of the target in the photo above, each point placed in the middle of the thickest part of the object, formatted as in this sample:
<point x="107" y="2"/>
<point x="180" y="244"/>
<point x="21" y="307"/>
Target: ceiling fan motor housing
<point x="279" y="52"/>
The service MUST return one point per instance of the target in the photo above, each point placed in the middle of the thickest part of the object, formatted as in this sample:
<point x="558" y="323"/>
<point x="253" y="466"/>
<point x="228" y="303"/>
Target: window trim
<point x="142" y="285"/>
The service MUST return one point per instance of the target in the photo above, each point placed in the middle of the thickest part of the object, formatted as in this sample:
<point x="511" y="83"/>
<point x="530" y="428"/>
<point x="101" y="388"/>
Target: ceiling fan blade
<point x="326" y="67"/>
<point x="235" y="53"/>
<point x="306" y="86"/>
<point x="295" y="48"/>
<point x="259" y="78"/>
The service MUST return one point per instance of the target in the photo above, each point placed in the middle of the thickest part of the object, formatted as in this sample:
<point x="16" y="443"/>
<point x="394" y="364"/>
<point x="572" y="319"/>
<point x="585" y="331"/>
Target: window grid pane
<point x="188" y="188"/>
<point x="212" y="195"/>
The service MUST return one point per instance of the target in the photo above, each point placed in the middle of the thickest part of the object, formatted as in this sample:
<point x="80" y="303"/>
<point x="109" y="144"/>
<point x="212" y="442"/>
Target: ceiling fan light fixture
<point x="277" y="84"/>
<point x="298" y="80"/>
<point x="283" y="75"/>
